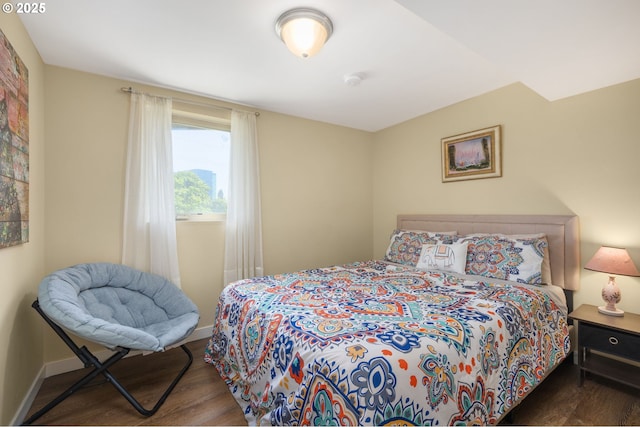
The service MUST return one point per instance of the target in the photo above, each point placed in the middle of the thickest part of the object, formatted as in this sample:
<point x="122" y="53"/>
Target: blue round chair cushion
<point x="118" y="306"/>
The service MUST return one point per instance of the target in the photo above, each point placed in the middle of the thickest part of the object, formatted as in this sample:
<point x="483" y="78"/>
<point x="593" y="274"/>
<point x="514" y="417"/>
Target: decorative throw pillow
<point x="446" y="257"/>
<point x="504" y="257"/>
<point x="405" y="245"/>
<point x="546" y="260"/>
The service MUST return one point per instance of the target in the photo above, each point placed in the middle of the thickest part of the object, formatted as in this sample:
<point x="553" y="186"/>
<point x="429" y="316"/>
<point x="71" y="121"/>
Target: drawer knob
<point x="613" y="340"/>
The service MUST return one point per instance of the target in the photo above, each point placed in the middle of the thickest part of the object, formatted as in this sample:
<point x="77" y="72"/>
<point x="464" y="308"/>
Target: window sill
<point x="202" y="218"/>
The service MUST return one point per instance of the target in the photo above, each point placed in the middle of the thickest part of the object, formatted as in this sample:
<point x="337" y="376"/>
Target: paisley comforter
<point x="373" y="344"/>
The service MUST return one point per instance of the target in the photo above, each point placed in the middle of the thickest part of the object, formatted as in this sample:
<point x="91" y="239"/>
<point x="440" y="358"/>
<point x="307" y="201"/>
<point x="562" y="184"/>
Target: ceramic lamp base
<point x="611" y="312"/>
<point x="611" y="296"/>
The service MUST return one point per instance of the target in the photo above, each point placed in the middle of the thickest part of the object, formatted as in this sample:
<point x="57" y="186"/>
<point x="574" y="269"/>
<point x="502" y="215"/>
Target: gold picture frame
<point x="472" y="155"/>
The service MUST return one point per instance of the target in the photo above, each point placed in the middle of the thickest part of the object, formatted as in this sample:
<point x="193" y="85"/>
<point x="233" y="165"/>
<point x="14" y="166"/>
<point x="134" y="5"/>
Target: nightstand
<point x="615" y="336"/>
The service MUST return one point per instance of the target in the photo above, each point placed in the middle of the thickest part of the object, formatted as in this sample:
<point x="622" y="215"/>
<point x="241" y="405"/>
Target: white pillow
<point x="446" y="257"/>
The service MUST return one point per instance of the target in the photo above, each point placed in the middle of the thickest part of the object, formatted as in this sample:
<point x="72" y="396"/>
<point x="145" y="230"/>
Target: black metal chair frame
<point x="101" y="368"/>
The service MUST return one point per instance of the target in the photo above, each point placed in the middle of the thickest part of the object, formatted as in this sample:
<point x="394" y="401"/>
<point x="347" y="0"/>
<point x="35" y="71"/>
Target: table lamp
<point x="613" y="261"/>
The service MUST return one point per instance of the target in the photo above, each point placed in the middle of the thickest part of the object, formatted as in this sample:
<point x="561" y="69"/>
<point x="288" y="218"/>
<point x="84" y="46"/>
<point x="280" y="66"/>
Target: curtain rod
<point x="187" y="101"/>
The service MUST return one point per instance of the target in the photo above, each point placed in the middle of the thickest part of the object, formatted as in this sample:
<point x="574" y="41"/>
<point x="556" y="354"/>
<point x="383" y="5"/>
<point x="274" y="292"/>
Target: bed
<point x="461" y="320"/>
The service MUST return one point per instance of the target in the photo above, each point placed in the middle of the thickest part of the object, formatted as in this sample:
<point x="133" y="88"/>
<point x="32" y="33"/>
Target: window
<point x="201" y="148"/>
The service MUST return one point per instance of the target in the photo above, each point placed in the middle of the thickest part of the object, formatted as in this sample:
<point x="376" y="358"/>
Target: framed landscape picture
<point x="472" y="155"/>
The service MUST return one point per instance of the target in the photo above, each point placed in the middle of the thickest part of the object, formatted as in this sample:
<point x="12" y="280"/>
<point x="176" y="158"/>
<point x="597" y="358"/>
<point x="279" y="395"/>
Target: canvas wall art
<point x="14" y="147"/>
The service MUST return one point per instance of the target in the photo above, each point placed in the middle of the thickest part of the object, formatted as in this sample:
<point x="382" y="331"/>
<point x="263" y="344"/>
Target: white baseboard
<point x="67" y="365"/>
<point x="28" y="399"/>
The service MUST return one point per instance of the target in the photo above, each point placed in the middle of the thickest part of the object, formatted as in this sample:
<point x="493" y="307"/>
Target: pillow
<point x="405" y="245"/>
<point x="517" y="258"/>
<point x="546" y="260"/>
<point x="446" y="257"/>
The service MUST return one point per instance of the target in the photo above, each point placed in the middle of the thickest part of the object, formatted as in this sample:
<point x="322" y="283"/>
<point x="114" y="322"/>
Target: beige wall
<point x="316" y="193"/>
<point x="21" y="267"/>
<point x="578" y="155"/>
<point x="315" y="186"/>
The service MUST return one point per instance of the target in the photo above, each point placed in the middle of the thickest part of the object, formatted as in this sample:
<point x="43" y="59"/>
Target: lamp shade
<point x="613" y="261"/>
<point x="304" y="31"/>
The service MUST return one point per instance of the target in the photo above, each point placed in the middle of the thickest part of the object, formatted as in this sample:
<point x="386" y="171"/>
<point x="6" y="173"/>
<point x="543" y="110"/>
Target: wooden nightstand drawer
<point x="609" y="341"/>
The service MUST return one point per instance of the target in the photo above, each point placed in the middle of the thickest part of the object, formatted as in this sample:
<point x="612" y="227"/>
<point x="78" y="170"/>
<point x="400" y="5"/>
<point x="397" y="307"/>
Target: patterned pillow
<point x="503" y="257"/>
<point x="405" y="245"/>
<point x="546" y="260"/>
<point x="446" y="257"/>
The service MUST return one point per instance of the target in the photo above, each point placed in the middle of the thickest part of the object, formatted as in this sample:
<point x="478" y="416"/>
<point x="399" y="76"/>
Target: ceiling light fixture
<point x="304" y="30"/>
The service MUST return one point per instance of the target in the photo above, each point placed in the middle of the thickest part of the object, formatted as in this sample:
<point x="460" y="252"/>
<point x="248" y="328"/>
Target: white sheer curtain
<point x="149" y="241"/>
<point x="243" y="238"/>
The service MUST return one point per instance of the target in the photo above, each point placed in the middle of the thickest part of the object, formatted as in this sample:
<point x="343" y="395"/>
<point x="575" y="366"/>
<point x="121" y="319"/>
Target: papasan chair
<point x="120" y="308"/>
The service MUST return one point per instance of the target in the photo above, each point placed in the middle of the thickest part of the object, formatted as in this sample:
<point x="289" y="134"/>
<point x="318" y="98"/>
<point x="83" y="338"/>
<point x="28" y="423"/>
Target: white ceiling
<point x="415" y="56"/>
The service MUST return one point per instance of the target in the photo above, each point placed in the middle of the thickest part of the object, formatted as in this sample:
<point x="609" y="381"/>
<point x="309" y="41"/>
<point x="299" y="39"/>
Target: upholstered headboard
<point x="562" y="232"/>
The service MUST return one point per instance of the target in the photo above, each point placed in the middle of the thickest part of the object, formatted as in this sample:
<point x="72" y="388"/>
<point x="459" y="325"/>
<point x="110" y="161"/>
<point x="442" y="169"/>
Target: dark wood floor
<point x="202" y="398"/>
